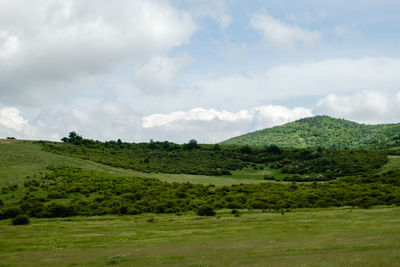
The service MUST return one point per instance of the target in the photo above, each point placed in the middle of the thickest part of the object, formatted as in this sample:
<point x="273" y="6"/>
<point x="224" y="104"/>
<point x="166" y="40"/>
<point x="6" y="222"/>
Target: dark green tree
<point x="191" y="145"/>
<point x="73" y="137"/>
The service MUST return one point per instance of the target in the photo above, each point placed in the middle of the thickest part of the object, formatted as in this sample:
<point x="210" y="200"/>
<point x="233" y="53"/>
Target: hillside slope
<point x="19" y="159"/>
<point x="322" y="131"/>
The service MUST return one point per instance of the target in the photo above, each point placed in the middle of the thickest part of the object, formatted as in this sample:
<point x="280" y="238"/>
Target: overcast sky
<point x="204" y="69"/>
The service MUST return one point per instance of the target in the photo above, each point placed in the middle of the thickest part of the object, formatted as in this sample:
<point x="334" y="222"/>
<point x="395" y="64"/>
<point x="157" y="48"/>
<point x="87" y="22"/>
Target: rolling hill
<point x="322" y="131"/>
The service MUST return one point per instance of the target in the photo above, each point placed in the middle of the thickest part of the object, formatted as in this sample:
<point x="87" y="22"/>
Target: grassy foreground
<point x="334" y="237"/>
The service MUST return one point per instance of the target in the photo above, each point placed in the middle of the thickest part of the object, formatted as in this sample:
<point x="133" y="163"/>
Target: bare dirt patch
<point x="7" y="141"/>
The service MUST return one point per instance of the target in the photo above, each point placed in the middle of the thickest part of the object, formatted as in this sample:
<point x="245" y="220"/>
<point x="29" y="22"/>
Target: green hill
<point x="323" y="131"/>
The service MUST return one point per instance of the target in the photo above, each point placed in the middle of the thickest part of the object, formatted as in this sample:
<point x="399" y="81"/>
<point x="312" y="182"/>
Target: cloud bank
<point x="110" y="119"/>
<point x="310" y="79"/>
<point x="366" y="107"/>
<point x="268" y="115"/>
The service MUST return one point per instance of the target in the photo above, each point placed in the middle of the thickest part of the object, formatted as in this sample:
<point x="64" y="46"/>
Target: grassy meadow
<point x="317" y="237"/>
<point x="257" y="172"/>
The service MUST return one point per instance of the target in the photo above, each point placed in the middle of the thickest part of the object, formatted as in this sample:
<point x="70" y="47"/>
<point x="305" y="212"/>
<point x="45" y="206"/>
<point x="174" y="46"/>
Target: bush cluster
<point x="20" y="220"/>
<point x="94" y="193"/>
<point x="205" y="210"/>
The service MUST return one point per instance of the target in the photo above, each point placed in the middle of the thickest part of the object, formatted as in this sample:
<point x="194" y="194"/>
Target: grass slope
<point x="322" y="131"/>
<point x="393" y="164"/>
<point x="19" y="159"/>
<point x="327" y="237"/>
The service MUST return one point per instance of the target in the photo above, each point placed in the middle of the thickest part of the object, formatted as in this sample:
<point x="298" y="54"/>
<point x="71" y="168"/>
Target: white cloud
<point x="367" y="107"/>
<point x="196" y="114"/>
<point x="12" y="123"/>
<point x="158" y="75"/>
<point x="280" y="34"/>
<point x="196" y="122"/>
<point x="276" y="115"/>
<point x="10" y="117"/>
<point x="56" y="42"/>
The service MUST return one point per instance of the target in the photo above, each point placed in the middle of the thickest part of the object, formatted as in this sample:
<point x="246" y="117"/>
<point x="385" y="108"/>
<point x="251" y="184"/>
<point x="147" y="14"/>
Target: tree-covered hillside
<point x="322" y="131"/>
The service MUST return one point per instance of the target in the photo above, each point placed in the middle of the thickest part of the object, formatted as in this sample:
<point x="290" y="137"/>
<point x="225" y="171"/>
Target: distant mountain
<point x="323" y="131"/>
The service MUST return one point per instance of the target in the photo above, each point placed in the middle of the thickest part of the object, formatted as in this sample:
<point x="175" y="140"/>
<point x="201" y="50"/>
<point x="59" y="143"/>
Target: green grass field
<point x="330" y="237"/>
<point x="393" y="164"/>
<point x="258" y="173"/>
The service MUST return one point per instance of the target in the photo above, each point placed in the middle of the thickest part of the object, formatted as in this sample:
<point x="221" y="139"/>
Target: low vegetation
<point x="70" y="191"/>
<point x="64" y="190"/>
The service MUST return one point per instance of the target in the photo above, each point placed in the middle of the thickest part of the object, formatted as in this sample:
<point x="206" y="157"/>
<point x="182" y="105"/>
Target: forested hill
<point x="323" y="131"/>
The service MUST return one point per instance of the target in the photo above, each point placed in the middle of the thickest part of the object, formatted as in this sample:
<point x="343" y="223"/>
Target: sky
<point x="193" y="69"/>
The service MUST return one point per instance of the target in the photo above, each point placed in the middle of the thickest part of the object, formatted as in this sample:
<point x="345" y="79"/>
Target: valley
<point x="92" y="203"/>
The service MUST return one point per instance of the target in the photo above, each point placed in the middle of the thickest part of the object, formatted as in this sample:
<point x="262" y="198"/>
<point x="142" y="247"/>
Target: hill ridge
<point x="323" y="131"/>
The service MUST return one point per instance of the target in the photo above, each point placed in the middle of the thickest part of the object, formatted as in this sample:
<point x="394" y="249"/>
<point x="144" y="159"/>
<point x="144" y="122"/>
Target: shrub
<point x="32" y="207"/>
<point x="274" y="149"/>
<point x="269" y="177"/>
<point x="20" y="220"/>
<point x="206" y="210"/>
<point x="59" y="210"/>
<point x="55" y="195"/>
<point x="191" y="145"/>
<point x="12" y="212"/>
